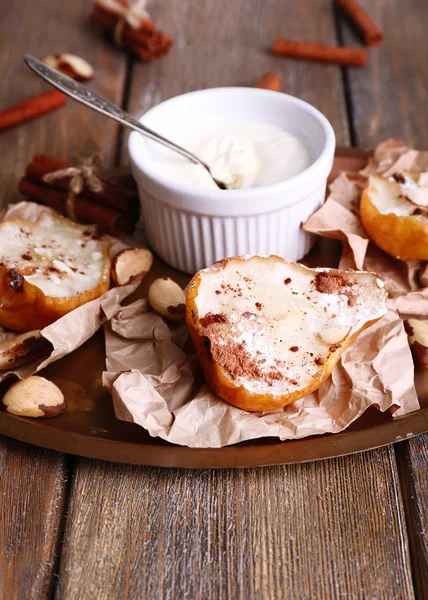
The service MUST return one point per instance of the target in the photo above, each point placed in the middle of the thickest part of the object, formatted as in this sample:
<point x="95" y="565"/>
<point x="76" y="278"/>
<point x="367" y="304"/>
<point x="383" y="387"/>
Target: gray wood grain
<point x="228" y="44"/>
<point x="33" y="494"/>
<point x="33" y="481"/>
<point x="315" y="531"/>
<point x="73" y="131"/>
<point x="298" y="531"/>
<point x="320" y="530"/>
<point x="389" y="99"/>
<point x="389" y="96"/>
<point x="413" y="471"/>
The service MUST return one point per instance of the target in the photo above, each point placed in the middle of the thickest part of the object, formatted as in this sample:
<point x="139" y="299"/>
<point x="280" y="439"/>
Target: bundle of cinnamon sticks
<point x="114" y="208"/>
<point x="139" y="35"/>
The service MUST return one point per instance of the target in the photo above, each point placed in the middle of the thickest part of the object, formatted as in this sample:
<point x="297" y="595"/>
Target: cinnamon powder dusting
<point x="352" y="299"/>
<point x="211" y="318"/>
<point x="237" y="361"/>
<point x="249" y="315"/>
<point x="274" y="376"/>
<point x="329" y="284"/>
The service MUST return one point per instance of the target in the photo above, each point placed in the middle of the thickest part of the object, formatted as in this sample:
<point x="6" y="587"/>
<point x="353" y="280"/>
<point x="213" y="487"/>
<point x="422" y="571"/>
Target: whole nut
<point x="70" y="64"/>
<point x="130" y="265"/>
<point x="168" y="299"/>
<point x="22" y="349"/>
<point x="34" y="397"/>
<point x="417" y="332"/>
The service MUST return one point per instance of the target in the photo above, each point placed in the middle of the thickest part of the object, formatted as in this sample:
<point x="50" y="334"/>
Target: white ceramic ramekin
<point x="191" y="228"/>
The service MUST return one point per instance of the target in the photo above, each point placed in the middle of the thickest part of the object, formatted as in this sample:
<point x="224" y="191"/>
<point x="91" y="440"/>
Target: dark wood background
<point x="353" y="527"/>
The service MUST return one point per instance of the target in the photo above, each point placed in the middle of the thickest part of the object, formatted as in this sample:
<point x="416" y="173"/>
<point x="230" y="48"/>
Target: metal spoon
<point x="83" y="94"/>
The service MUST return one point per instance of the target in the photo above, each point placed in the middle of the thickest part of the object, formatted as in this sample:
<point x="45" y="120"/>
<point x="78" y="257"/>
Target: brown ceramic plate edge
<point x="277" y="453"/>
<point x="267" y="452"/>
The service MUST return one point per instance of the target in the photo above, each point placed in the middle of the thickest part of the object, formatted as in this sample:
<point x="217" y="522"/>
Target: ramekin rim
<point x="251" y="193"/>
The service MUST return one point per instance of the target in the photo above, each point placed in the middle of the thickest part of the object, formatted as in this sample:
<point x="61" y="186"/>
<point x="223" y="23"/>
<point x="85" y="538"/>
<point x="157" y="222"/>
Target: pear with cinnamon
<point x="394" y="212"/>
<point x="268" y="331"/>
<point x="49" y="268"/>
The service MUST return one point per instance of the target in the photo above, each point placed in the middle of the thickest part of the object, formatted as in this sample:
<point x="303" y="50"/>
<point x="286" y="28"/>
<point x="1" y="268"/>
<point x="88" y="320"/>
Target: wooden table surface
<point x="353" y="527"/>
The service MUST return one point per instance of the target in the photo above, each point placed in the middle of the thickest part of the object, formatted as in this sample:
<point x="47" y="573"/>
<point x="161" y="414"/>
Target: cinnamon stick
<point x="148" y="36"/>
<point x="147" y="42"/>
<point x="43" y="195"/>
<point x="143" y="53"/>
<point x="31" y="108"/>
<point x="320" y="52"/>
<point x="270" y="81"/>
<point x="371" y="33"/>
<point x="112" y="196"/>
<point x="111" y="220"/>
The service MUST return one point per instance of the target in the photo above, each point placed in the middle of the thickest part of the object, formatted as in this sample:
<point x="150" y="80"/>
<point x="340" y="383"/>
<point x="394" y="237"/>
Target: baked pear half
<point x="268" y="331"/>
<point x="49" y="268"/>
<point x="394" y="212"/>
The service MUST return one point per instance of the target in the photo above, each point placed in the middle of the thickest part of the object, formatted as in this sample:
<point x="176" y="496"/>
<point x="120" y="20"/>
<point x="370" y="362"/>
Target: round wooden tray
<point x="89" y="428"/>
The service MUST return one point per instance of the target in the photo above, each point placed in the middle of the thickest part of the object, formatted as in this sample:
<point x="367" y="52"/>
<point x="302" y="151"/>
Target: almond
<point x="70" y="64"/>
<point x="34" y="397"/>
<point x="334" y="335"/>
<point x="131" y="265"/>
<point x="168" y="299"/>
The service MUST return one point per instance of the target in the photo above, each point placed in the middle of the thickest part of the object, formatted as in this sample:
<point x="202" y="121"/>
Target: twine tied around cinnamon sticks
<point x="81" y="176"/>
<point x="131" y="27"/>
<point x="115" y="209"/>
<point x="132" y="14"/>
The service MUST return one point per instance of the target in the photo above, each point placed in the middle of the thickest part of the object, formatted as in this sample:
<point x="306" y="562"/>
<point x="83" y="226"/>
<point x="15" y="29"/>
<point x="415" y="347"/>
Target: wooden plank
<point x="413" y="470"/>
<point x="33" y="492"/>
<point x="304" y="531"/>
<point x="73" y="131"/>
<point x="388" y="99"/>
<point x="315" y="530"/>
<point x="228" y="44"/>
<point x="33" y="484"/>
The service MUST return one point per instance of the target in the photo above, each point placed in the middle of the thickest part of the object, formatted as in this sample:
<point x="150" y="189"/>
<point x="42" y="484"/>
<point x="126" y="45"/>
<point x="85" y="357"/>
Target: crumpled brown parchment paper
<point x="72" y="330"/>
<point x="154" y="378"/>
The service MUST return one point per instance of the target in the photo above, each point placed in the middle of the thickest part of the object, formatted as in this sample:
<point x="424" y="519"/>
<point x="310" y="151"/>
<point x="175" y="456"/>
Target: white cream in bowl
<point x="241" y="154"/>
<point x="190" y="222"/>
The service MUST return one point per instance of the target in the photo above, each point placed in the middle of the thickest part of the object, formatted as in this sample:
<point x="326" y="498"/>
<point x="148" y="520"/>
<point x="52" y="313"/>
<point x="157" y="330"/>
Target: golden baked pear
<point x="268" y="331"/>
<point x="49" y="268"/>
<point x="394" y="213"/>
